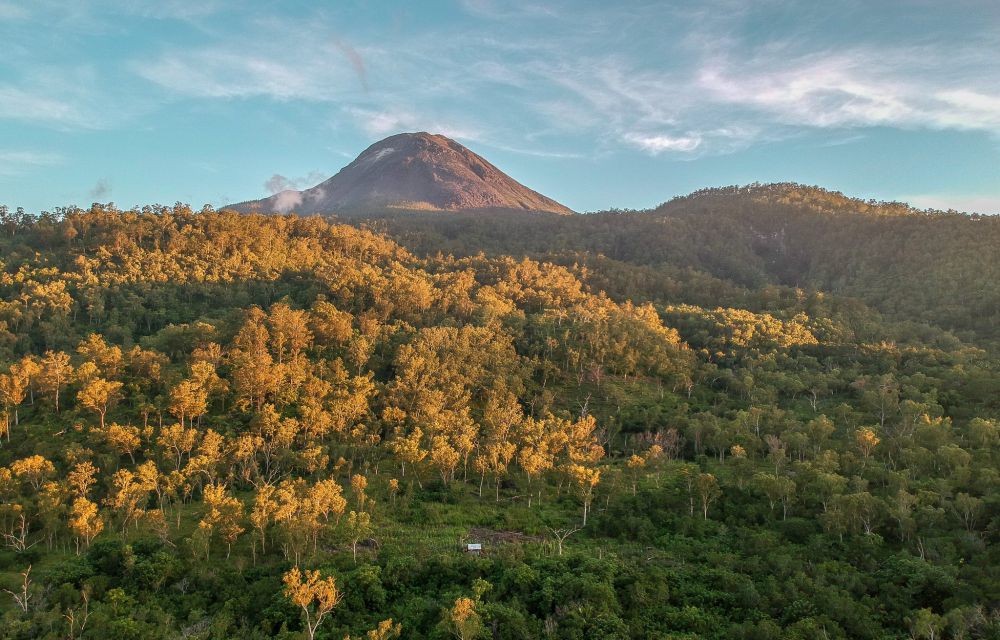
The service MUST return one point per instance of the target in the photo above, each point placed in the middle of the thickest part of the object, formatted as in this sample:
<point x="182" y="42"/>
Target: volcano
<point x="420" y="171"/>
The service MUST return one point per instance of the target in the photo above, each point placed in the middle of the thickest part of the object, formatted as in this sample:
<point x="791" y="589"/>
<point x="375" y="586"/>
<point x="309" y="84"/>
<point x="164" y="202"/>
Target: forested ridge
<point x="759" y="412"/>
<point x="930" y="267"/>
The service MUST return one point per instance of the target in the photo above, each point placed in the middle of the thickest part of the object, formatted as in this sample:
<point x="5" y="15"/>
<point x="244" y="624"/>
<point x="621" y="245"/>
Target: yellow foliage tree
<point x="463" y="620"/>
<point x="316" y="596"/>
<point x="54" y="374"/>
<point x="123" y="439"/>
<point x="85" y="521"/>
<point x="585" y="480"/>
<point x="34" y="470"/>
<point x="866" y="440"/>
<point x="81" y="478"/>
<point x="99" y="395"/>
<point x="223" y="513"/>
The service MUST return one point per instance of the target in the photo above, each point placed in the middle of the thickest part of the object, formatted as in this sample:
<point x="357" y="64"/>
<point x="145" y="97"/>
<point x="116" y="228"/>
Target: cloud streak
<point x="17" y="162"/>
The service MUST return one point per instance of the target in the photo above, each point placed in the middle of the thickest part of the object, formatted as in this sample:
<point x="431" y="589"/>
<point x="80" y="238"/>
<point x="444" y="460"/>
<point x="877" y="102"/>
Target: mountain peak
<point x="412" y="171"/>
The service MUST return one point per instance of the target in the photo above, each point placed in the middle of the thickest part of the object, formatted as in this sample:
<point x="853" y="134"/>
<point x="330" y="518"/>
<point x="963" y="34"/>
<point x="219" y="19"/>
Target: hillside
<point x="934" y="268"/>
<point x="201" y="408"/>
<point x="411" y="171"/>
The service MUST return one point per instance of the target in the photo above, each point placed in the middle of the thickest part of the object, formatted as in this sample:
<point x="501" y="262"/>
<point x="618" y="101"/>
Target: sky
<point x="596" y="104"/>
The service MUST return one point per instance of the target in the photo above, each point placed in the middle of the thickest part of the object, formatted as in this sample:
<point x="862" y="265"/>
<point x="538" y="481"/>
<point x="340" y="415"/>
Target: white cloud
<point x="287" y="200"/>
<point x="657" y="144"/>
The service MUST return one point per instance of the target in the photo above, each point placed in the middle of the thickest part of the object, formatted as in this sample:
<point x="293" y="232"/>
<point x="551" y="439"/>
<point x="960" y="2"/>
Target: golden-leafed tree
<point x="327" y="497"/>
<point x="13" y="390"/>
<point x="275" y="438"/>
<point x="99" y="395"/>
<point x="223" y="515"/>
<point x="128" y="497"/>
<point x="410" y="451"/>
<point x="55" y="373"/>
<point x="290" y="332"/>
<point x="254" y="373"/>
<point x="385" y="630"/>
<point x="122" y="439"/>
<point x="297" y="518"/>
<point x="84" y="521"/>
<point x="535" y="455"/>
<point x="584" y="480"/>
<point x="177" y="441"/>
<point x="444" y="457"/>
<point x="188" y="400"/>
<point x="81" y="478"/>
<point x="316" y="596"/>
<point x="107" y="358"/>
<point x="263" y="512"/>
<point x="359" y="484"/>
<point x="501" y="419"/>
<point x="463" y="620"/>
<point x="330" y="326"/>
<point x="210" y="456"/>
<point x="34" y="470"/>
<point x="635" y="465"/>
<point x="866" y="440"/>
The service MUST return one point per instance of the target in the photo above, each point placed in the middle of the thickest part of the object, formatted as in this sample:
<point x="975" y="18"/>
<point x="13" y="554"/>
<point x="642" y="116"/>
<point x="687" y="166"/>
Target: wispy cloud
<point x="862" y="87"/>
<point x="278" y="183"/>
<point x="659" y="78"/>
<point x="223" y="73"/>
<point x="381" y="122"/>
<point x="12" y="12"/>
<point x="14" y="162"/>
<point x="509" y="10"/>
<point x="537" y="153"/>
<point x="36" y="106"/>
<point x="289" y="59"/>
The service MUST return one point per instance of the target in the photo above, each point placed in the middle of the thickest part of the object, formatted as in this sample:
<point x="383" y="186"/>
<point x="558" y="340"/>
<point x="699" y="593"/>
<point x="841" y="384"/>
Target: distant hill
<point x="934" y="267"/>
<point x="411" y="171"/>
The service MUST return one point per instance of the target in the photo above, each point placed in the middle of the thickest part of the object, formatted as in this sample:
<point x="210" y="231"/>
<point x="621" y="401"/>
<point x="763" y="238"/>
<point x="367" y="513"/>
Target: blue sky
<point x="597" y="104"/>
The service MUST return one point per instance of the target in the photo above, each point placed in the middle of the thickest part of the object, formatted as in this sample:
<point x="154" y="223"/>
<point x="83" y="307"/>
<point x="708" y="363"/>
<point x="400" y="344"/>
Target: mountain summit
<point x="411" y="171"/>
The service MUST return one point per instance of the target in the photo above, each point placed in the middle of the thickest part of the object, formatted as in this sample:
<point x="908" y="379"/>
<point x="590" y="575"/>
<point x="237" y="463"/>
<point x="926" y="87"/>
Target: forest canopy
<point x="736" y="416"/>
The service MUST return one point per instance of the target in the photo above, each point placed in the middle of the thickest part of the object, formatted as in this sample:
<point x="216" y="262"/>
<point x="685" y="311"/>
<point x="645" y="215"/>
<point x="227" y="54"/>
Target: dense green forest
<point x="758" y="412"/>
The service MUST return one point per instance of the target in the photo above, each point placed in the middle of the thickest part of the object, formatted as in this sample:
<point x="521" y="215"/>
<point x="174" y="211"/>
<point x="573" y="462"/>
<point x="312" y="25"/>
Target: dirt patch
<point x="482" y="534"/>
